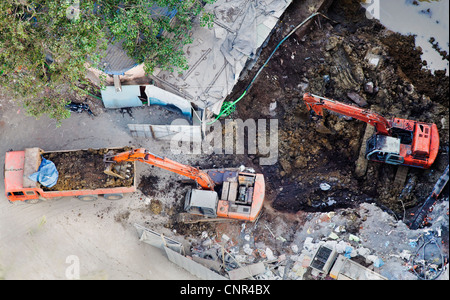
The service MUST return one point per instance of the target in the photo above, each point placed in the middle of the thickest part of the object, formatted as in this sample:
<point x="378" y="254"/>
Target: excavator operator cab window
<point x="394" y="159"/>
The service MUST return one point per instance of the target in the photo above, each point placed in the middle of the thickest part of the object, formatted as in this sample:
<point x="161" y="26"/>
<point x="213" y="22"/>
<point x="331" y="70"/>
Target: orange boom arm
<point x="143" y="155"/>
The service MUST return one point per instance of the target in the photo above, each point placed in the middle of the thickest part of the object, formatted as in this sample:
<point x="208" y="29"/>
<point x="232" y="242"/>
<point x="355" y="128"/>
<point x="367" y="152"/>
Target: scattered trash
<point x="378" y="262"/>
<point x="79" y="108"/>
<point x="352" y="237"/>
<point x="272" y="106"/>
<point x="348" y="251"/>
<point x="333" y="236"/>
<point x="47" y="174"/>
<point x="325" y="186"/>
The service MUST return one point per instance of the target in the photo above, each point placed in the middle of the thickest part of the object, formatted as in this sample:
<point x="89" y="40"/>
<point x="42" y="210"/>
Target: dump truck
<point x="221" y="194"/>
<point x="19" y="165"/>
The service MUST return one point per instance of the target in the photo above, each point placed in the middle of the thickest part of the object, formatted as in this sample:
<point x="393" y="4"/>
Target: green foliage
<point x="46" y="44"/>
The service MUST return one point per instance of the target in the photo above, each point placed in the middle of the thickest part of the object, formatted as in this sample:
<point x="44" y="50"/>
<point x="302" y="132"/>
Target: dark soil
<point x="329" y="60"/>
<point x="83" y="169"/>
<point x="148" y="185"/>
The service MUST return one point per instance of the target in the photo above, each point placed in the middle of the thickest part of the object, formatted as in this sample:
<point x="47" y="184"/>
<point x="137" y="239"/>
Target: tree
<point x="46" y="44"/>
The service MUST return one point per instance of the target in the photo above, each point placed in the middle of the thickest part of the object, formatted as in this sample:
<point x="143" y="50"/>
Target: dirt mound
<point x="83" y="169"/>
<point x="333" y="59"/>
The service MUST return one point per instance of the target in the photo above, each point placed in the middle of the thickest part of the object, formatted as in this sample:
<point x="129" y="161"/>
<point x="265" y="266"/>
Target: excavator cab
<point x="385" y="149"/>
<point x="237" y="195"/>
<point x="201" y="202"/>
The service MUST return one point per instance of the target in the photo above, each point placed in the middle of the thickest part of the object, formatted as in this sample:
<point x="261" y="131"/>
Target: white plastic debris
<point x="405" y="254"/>
<point x="272" y="106"/>
<point x="324" y="186"/>
<point x="352" y="237"/>
<point x="363" y="251"/>
<point x="225" y="237"/>
<point x="333" y="236"/>
<point x="247" y="249"/>
<point x="269" y="254"/>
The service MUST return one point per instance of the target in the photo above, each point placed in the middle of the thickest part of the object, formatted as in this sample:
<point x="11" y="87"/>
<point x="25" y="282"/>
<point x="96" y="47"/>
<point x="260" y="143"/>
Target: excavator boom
<point x="317" y="104"/>
<point x="143" y="155"/>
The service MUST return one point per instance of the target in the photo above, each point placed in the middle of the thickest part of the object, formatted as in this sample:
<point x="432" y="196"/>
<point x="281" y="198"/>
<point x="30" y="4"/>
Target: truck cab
<point x="17" y="188"/>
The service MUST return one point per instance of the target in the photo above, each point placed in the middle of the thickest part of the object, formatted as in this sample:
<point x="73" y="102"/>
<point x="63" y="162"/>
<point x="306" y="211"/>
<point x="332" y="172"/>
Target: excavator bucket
<point x="320" y="127"/>
<point x="117" y="169"/>
<point x="110" y="170"/>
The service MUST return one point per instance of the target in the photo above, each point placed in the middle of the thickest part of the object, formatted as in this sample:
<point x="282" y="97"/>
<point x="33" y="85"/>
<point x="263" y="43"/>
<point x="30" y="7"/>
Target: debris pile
<point x="370" y="238"/>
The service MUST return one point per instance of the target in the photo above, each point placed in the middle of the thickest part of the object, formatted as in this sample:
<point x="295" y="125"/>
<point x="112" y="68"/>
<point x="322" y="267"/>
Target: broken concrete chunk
<point x="370" y="88"/>
<point x="269" y="254"/>
<point x="373" y="59"/>
<point x="247" y="271"/>
<point x="357" y="99"/>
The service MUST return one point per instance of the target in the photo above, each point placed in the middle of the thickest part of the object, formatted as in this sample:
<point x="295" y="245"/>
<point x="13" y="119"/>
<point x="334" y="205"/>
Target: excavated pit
<point x="332" y="59"/>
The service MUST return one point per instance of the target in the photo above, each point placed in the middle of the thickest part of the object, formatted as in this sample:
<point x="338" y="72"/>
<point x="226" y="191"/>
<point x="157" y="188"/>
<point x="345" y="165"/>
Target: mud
<point x="83" y="169"/>
<point x="331" y="59"/>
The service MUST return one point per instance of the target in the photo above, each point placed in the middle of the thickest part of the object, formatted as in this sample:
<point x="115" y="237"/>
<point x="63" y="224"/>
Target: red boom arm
<point x="317" y="104"/>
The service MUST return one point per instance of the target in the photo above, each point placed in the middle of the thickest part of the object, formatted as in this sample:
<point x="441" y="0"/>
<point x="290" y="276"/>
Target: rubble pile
<point x="366" y="235"/>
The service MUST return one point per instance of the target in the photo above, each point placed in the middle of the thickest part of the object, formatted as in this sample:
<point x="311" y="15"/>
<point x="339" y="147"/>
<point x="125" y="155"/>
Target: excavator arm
<point x="317" y="104"/>
<point x="143" y="155"/>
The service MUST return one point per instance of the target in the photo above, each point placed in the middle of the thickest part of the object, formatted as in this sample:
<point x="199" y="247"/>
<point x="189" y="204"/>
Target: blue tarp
<point x="47" y="175"/>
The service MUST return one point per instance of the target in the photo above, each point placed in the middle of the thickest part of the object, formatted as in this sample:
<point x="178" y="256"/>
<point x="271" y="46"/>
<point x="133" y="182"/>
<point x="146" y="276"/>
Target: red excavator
<point x="396" y="141"/>
<point x="241" y="193"/>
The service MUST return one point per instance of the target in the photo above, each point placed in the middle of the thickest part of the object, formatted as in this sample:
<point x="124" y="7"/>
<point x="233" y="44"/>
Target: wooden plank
<point x="225" y="188"/>
<point x="232" y="193"/>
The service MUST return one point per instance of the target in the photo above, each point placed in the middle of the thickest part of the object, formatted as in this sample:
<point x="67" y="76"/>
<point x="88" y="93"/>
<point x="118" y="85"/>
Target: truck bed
<point x="84" y="170"/>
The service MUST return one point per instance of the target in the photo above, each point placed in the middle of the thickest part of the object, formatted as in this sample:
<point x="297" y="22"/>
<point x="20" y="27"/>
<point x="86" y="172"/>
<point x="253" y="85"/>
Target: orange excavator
<point x="241" y="193"/>
<point x="396" y="141"/>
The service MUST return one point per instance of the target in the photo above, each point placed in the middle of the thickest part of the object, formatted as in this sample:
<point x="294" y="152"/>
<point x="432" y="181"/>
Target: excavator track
<point x="187" y="218"/>
<point x="400" y="176"/>
<point x="361" y="163"/>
